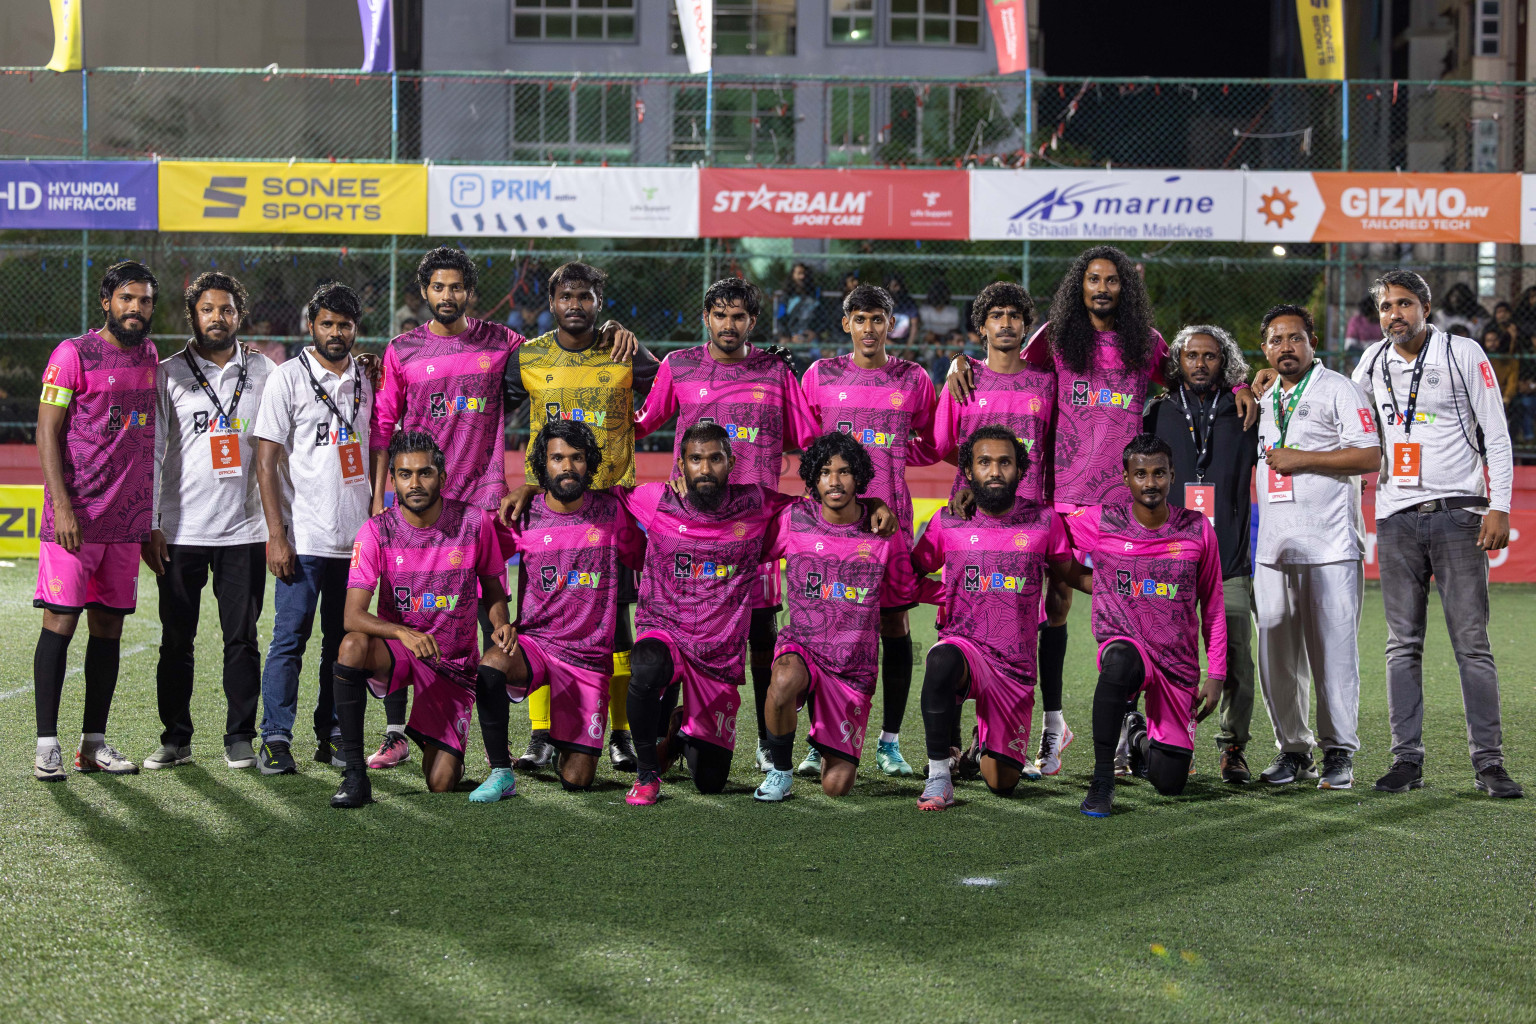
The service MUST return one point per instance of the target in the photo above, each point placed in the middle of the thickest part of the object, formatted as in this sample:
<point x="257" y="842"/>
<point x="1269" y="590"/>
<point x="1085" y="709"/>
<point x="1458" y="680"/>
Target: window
<point x="935" y="22"/>
<point x="574" y="20"/>
<point x="753" y="124"/>
<point x="748" y="28"/>
<point x="853" y="22"/>
<point x="554" y="122"/>
<point x="1487" y="33"/>
<point x="850" y="124"/>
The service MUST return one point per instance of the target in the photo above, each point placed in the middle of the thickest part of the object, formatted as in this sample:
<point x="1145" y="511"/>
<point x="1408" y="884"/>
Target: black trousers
<point x="239" y="584"/>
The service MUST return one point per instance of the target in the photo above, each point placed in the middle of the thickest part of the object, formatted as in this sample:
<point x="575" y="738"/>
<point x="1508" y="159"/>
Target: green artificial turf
<point x="209" y="894"/>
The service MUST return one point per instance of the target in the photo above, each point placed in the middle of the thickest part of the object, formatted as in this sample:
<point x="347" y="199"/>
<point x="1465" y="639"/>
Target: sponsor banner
<point x="1091" y="205"/>
<point x="1322" y="37"/>
<point x="563" y="202"/>
<point x="696" y="24"/>
<point x="21" y="516"/>
<point x="1514" y="564"/>
<point x="1351" y="207"/>
<point x="1008" y="35"/>
<point x="78" y="195"/>
<point x="298" y="198"/>
<point x="774" y="203"/>
<point x="378" y="19"/>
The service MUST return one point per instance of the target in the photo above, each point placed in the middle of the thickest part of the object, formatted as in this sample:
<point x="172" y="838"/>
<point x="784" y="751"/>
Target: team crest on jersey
<point x="1432" y="378"/>
<point x="1175" y="549"/>
<point x="897" y="398"/>
<point x="1035" y="404"/>
<point x="56" y="586"/>
<point x="1305" y="410"/>
<point x="594" y="535"/>
<point x="1021" y="540"/>
<point x="758" y="394"/>
<point x="455" y="558"/>
<point x="864" y="551"/>
<point x="485" y="362"/>
<point x="739" y="530"/>
<point x="604" y="378"/>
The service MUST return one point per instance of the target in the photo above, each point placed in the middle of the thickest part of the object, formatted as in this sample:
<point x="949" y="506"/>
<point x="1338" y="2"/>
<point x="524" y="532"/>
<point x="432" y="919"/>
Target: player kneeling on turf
<point x="572" y="541"/>
<point x="995" y="566"/>
<point x="1156" y="588"/>
<point x="840" y="579"/>
<point x="430" y="558"/>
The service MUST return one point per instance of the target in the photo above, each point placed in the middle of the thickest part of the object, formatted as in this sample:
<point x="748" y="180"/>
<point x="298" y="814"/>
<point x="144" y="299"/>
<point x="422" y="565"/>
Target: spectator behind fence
<point x="413" y="311"/>
<point x="1506" y="367"/>
<point x="1522" y="411"/>
<point x="905" y="320"/>
<point x="1525" y="313"/>
<point x="1363" y="328"/>
<point x="1504" y="320"/>
<point x="275" y="309"/>
<point x="938" y="313"/>
<point x="1460" y="306"/>
<point x="799" y="301"/>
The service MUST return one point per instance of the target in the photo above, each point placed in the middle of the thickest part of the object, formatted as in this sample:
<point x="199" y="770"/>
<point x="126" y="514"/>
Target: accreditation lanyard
<point x="1283" y="410"/>
<point x="1405" y="414"/>
<point x="321" y="396"/>
<point x="226" y="419"/>
<point x="1202" y="449"/>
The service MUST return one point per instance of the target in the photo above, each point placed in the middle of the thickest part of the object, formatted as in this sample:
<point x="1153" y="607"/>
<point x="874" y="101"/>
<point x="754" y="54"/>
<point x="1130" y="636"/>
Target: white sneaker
<point x="764" y="759"/>
<point x="1052" y="745"/>
<point x="49" y="766"/>
<point x="104" y="758"/>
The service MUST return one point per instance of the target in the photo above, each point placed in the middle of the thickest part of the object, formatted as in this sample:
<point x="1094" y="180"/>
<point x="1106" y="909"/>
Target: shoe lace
<point x="1100" y="787"/>
<point x="1496" y="771"/>
<point x="1335" y="760"/>
<point x="1048" y="741"/>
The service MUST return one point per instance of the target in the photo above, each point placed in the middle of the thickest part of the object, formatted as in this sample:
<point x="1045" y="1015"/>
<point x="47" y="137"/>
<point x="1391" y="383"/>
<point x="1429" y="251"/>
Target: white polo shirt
<point x="1458" y="393"/>
<point x="1322" y="523"/>
<point x="194" y="506"/>
<point x="324" y="518"/>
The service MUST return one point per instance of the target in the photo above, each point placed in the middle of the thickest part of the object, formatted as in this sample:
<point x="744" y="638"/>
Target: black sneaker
<point x="1234" y="766"/>
<point x="355" y="791"/>
<point x="539" y="753"/>
<point x="1289" y="766"/>
<point x="277" y="759"/>
<point x="1338" y="770"/>
<point x="621" y="752"/>
<point x="1495" y="781"/>
<point x="1401" y="777"/>
<point x="1100" y="799"/>
<point x="969" y="765"/>
<point x="1136" y="737"/>
<point x="328" y="751"/>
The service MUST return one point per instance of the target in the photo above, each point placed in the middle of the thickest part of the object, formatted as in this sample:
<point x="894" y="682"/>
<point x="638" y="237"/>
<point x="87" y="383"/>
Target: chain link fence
<point x="48" y="279"/>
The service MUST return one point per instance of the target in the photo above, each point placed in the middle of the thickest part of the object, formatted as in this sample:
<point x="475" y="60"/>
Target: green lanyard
<point x="1283" y="411"/>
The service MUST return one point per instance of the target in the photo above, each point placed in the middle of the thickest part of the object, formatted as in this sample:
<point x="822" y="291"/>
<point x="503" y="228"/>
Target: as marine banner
<point x="299" y="198"/>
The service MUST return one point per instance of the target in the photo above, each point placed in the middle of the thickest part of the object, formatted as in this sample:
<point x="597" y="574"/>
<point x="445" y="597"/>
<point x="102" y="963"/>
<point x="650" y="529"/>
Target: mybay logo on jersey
<point x="978" y="582"/>
<point x="325" y="436"/>
<point x="202" y="421"/>
<point x="309" y="198"/>
<point x="555" y="411"/>
<point x="1126" y="586"/>
<point x="867" y="436"/>
<point x="440" y="404"/>
<point x="130" y="420"/>
<point x="552" y="579"/>
<point x="686" y="567"/>
<point x="406" y="601"/>
<point x="1166" y="205"/>
<point x="817" y="586"/>
<point x="735" y="431"/>
<point x="1083" y="394"/>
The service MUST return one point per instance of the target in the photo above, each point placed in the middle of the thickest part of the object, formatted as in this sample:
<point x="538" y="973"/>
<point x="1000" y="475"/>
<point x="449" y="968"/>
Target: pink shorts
<point x="440" y="704"/>
<point x="578" y="698"/>
<point x="1004" y="709"/>
<point x="839" y="713"/>
<point x="1083" y="557"/>
<point x="104" y="576"/>
<point x="769" y="592"/>
<point x="1170" y="705"/>
<point x="709" y="705"/>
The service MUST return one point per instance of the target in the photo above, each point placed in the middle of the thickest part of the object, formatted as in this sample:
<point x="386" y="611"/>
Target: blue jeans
<point x="322" y="583"/>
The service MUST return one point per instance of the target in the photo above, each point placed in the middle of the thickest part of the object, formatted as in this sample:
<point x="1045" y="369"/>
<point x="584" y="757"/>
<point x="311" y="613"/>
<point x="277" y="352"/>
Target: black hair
<point x="127" y="272"/>
<point x="867" y="298"/>
<point x="1368" y="307"/>
<point x="992" y="432"/>
<point x="446" y="257"/>
<point x="705" y="433"/>
<point x="577" y="272"/>
<point x="338" y="298"/>
<point x="215" y="281"/>
<point x="574" y="433"/>
<point x="729" y="290"/>
<point x="1146" y="444"/>
<point x="409" y="442"/>
<point x="1000" y="295"/>
<point x="938" y="293"/>
<point x="821" y="451"/>
<point x="1402" y="279"/>
<point x="808" y="288"/>
<point x="1072" y="332"/>
<point x="1287" y="309"/>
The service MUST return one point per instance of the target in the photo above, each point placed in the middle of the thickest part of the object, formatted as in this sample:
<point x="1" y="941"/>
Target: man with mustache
<point x="753" y="395"/>
<point x="1213" y="459"/>
<point x="312" y="432"/>
<point x="1318" y="435"/>
<point x="445" y="379"/>
<point x="1156" y="586"/>
<point x="433" y="561"/>
<point x="567" y="375"/>
<point x="573" y="541"/>
<point x="208" y="517"/>
<point x="995" y="567"/>
<point x="883" y="403"/>
<point x="95" y="441"/>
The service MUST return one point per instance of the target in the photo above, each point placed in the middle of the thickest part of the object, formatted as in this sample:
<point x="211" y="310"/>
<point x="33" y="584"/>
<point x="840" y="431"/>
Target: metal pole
<point x="709" y="113"/>
<point x="394" y="240"/>
<point x="1029" y="130"/>
<point x="85" y="154"/>
<point x="1343" y="316"/>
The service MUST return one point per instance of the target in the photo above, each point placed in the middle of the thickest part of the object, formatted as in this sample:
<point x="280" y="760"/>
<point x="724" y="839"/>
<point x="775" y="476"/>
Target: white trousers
<point x="1309" y="626"/>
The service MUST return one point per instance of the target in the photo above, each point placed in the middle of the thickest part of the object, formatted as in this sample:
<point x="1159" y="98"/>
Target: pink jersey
<point x="881" y="408"/>
<point x="838" y="579"/>
<point x="1158" y="587"/>
<point x="757" y="401"/>
<point x="994" y="579"/>
<point x="1022" y="402"/>
<point x="570" y="576"/>
<point x="1098" y="411"/>
<point x="701" y="570"/>
<point x="108" y="447"/>
<point x="451" y="389"/>
<point x="429" y="579"/>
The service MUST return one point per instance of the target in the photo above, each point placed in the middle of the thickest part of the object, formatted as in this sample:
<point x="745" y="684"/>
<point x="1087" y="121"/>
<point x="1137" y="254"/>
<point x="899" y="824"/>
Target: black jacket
<point x="1233" y="454"/>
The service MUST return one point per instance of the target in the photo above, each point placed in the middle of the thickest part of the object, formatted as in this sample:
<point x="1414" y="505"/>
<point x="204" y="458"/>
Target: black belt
<point x="1446" y="504"/>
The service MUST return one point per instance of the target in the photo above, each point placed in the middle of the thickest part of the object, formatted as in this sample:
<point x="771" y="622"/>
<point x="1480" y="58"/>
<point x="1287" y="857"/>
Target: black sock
<point x="762" y="634"/>
<point x="1120" y="676"/>
<point x="48" y="680"/>
<point x="101" y="665"/>
<point x="782" y="749"/>
<point x="1053" y="656"/>
<point x="350" y="707"/>
<point x="650" y="673"/>
<point x="942" y="678"/>
<point x="495" y="712"/>
<point x="896" y="679"/>
<point x="394" y="710"/>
